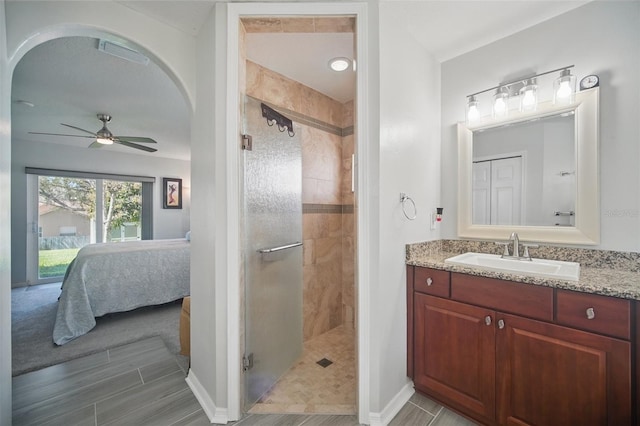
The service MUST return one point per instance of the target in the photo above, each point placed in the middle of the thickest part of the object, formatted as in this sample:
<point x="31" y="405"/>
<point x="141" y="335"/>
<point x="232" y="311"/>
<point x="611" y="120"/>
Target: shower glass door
<point x="273" y="281"/>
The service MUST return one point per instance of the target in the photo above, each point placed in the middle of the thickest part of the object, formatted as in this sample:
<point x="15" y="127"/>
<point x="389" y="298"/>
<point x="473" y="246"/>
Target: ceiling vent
<point x="122" y="52"/>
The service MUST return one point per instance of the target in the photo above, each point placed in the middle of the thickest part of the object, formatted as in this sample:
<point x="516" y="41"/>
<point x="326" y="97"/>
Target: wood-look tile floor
<point x="139" y="383"/>
<point x="309" y="388"/>
<point x="143" y="384"/>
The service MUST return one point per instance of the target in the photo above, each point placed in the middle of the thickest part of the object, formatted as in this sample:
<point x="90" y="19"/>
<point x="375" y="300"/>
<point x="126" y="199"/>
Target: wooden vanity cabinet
<point x="637" y="361"/>
<point x="549" y="374"/>
<point x="518" y="367"/>
<point x="455" y="354"/>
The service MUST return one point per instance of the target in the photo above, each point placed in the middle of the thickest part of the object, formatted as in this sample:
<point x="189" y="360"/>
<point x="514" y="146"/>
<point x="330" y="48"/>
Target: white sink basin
<point x="537" y="267"/>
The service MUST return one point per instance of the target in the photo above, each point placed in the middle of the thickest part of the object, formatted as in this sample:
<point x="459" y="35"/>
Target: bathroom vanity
<point x="507" y="349"/>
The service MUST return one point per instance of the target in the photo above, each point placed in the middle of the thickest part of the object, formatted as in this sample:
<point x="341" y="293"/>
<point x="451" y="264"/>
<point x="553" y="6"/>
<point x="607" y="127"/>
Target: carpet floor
<point x="33" y="313"/>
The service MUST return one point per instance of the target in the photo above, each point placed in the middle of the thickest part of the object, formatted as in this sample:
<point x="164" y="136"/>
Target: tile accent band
<point x="327" y="208"/>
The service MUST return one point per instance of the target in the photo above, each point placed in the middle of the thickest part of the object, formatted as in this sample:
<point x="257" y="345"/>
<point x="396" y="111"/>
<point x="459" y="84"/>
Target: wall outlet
<point x="432" y="221"/>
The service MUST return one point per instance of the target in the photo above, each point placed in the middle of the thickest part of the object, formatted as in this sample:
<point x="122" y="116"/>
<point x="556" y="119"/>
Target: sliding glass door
<point x="75" y="211"/>
<point x="66" y="222"/>
<point x="121" y="211"/>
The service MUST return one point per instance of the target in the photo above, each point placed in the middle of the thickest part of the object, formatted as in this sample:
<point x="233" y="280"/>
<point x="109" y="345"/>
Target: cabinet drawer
<point x="600" y="314"/>
<point x="507" y="296"/>
<point x="431" y="281"/>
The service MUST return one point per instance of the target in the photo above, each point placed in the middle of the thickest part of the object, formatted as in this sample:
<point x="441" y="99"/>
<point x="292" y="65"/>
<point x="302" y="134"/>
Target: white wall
<point x="203" y="374"/>
<point x="5" y="228"/>
<point x="167" y="223"/>
<point x="600" y="38"/>
<point x="409" y="158"/>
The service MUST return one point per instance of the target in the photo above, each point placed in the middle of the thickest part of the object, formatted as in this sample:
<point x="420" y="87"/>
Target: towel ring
<point x="403" y="199"/>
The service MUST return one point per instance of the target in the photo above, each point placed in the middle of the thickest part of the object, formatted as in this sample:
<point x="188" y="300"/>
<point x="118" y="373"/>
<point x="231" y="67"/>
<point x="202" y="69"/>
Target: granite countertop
<point x="601" y="272"/>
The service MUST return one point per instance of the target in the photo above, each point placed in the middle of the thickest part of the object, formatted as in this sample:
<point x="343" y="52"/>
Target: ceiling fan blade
<point x="96" y="145"/>
<point x="78" y="128"/>
<point x="60" y="134"/>
<point x="135" y="139"/>
<point x="133" y="145"/>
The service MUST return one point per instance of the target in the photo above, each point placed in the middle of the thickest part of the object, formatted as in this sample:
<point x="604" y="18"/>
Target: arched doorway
<point x="42" y="22"/>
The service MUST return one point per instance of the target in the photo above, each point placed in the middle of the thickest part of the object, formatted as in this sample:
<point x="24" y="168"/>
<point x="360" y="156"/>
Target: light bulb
<point x="473" y="113"/>
<point x="500" y="103"/>
<point x="564" y="91"/>
<point x="564" y="88"/>
<point x="529" y="96"/>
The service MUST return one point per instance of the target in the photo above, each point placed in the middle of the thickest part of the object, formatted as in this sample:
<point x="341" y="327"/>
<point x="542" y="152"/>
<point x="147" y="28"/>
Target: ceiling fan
<point x="105" y="137"/>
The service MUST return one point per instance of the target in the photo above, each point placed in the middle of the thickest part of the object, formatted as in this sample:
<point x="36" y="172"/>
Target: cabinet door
<point x="553" y="375"/>
<point x="454" y="358"/>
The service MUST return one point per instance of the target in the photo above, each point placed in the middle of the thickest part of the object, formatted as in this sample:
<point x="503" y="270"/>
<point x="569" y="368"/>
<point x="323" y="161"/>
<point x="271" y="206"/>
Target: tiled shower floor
<point x="310" y="388"/>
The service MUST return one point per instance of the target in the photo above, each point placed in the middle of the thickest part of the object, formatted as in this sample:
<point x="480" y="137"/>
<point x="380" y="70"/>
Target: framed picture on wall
<point x="171" y="193"/>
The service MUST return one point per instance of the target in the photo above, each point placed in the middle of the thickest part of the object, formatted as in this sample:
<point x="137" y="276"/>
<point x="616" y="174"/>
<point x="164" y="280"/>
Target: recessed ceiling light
<point x="339" y="64"/>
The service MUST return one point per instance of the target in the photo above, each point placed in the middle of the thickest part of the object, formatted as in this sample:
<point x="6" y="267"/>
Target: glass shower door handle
<point x="279" y="248"/>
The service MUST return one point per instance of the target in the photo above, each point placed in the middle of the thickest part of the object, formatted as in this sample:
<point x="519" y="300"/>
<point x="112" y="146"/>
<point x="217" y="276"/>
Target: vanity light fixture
<point x="339" y="64"/>
<point x="526" y="89"/>
<point x="501" y="102"/>
<point x="564" y="88"/>
<point x="472" y="110"/>
<point x="529" y="95"/>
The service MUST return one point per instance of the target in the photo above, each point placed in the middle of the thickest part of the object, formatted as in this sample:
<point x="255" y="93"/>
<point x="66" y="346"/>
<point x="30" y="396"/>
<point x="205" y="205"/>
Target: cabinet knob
<point x="500" y="324"/>
<point x="487" y="320"/>
<point x="429" y="281"/>
<point x="591" y="313"/>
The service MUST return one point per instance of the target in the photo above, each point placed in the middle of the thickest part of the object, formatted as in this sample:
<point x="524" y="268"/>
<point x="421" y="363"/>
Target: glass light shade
<point x="104" y="141"/>
<point x="500" y="103"/>
<point x="473" y="113"/>
<point x="529" y="96"/>
<point x="564" y="88"/>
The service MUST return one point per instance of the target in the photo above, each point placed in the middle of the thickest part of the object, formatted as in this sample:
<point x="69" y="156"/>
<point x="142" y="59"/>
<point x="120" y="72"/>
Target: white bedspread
<point x="119" y="277"/>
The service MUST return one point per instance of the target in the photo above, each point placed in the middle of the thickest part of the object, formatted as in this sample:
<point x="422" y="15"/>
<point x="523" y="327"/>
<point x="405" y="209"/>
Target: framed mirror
<point x="534" y="173"/>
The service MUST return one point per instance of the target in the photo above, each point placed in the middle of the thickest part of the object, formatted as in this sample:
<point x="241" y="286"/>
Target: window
<point x="75" y="209"/>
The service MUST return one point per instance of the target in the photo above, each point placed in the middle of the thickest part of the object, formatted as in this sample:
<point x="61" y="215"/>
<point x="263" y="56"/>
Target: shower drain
<point x="324" y="363"/>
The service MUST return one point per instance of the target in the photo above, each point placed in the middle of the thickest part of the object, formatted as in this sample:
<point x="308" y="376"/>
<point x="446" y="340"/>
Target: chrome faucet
<point x="515" y="252"/>
<point x="516" y="244"/>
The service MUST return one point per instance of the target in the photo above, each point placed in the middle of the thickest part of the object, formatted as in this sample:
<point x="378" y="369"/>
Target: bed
<point x="117" y="277"/>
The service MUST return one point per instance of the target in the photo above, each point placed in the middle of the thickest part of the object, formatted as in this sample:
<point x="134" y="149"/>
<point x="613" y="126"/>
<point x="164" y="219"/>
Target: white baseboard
<point x="215" y="414"/>
<point x="394" y="406"/>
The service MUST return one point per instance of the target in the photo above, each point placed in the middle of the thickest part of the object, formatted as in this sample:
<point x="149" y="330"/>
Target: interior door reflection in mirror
<point x="525" y="173"/>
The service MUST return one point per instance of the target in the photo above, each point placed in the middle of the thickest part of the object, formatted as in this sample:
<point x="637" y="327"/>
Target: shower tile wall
<point x="328" y="231"/>
<point x="348" y="219"/>
<point x="317" y="24"/>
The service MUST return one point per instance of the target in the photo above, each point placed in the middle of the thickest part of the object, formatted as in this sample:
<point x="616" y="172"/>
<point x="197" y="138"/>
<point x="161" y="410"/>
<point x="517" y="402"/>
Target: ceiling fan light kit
<point x="104" y="141"/>
<point x="105" y="137"/>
